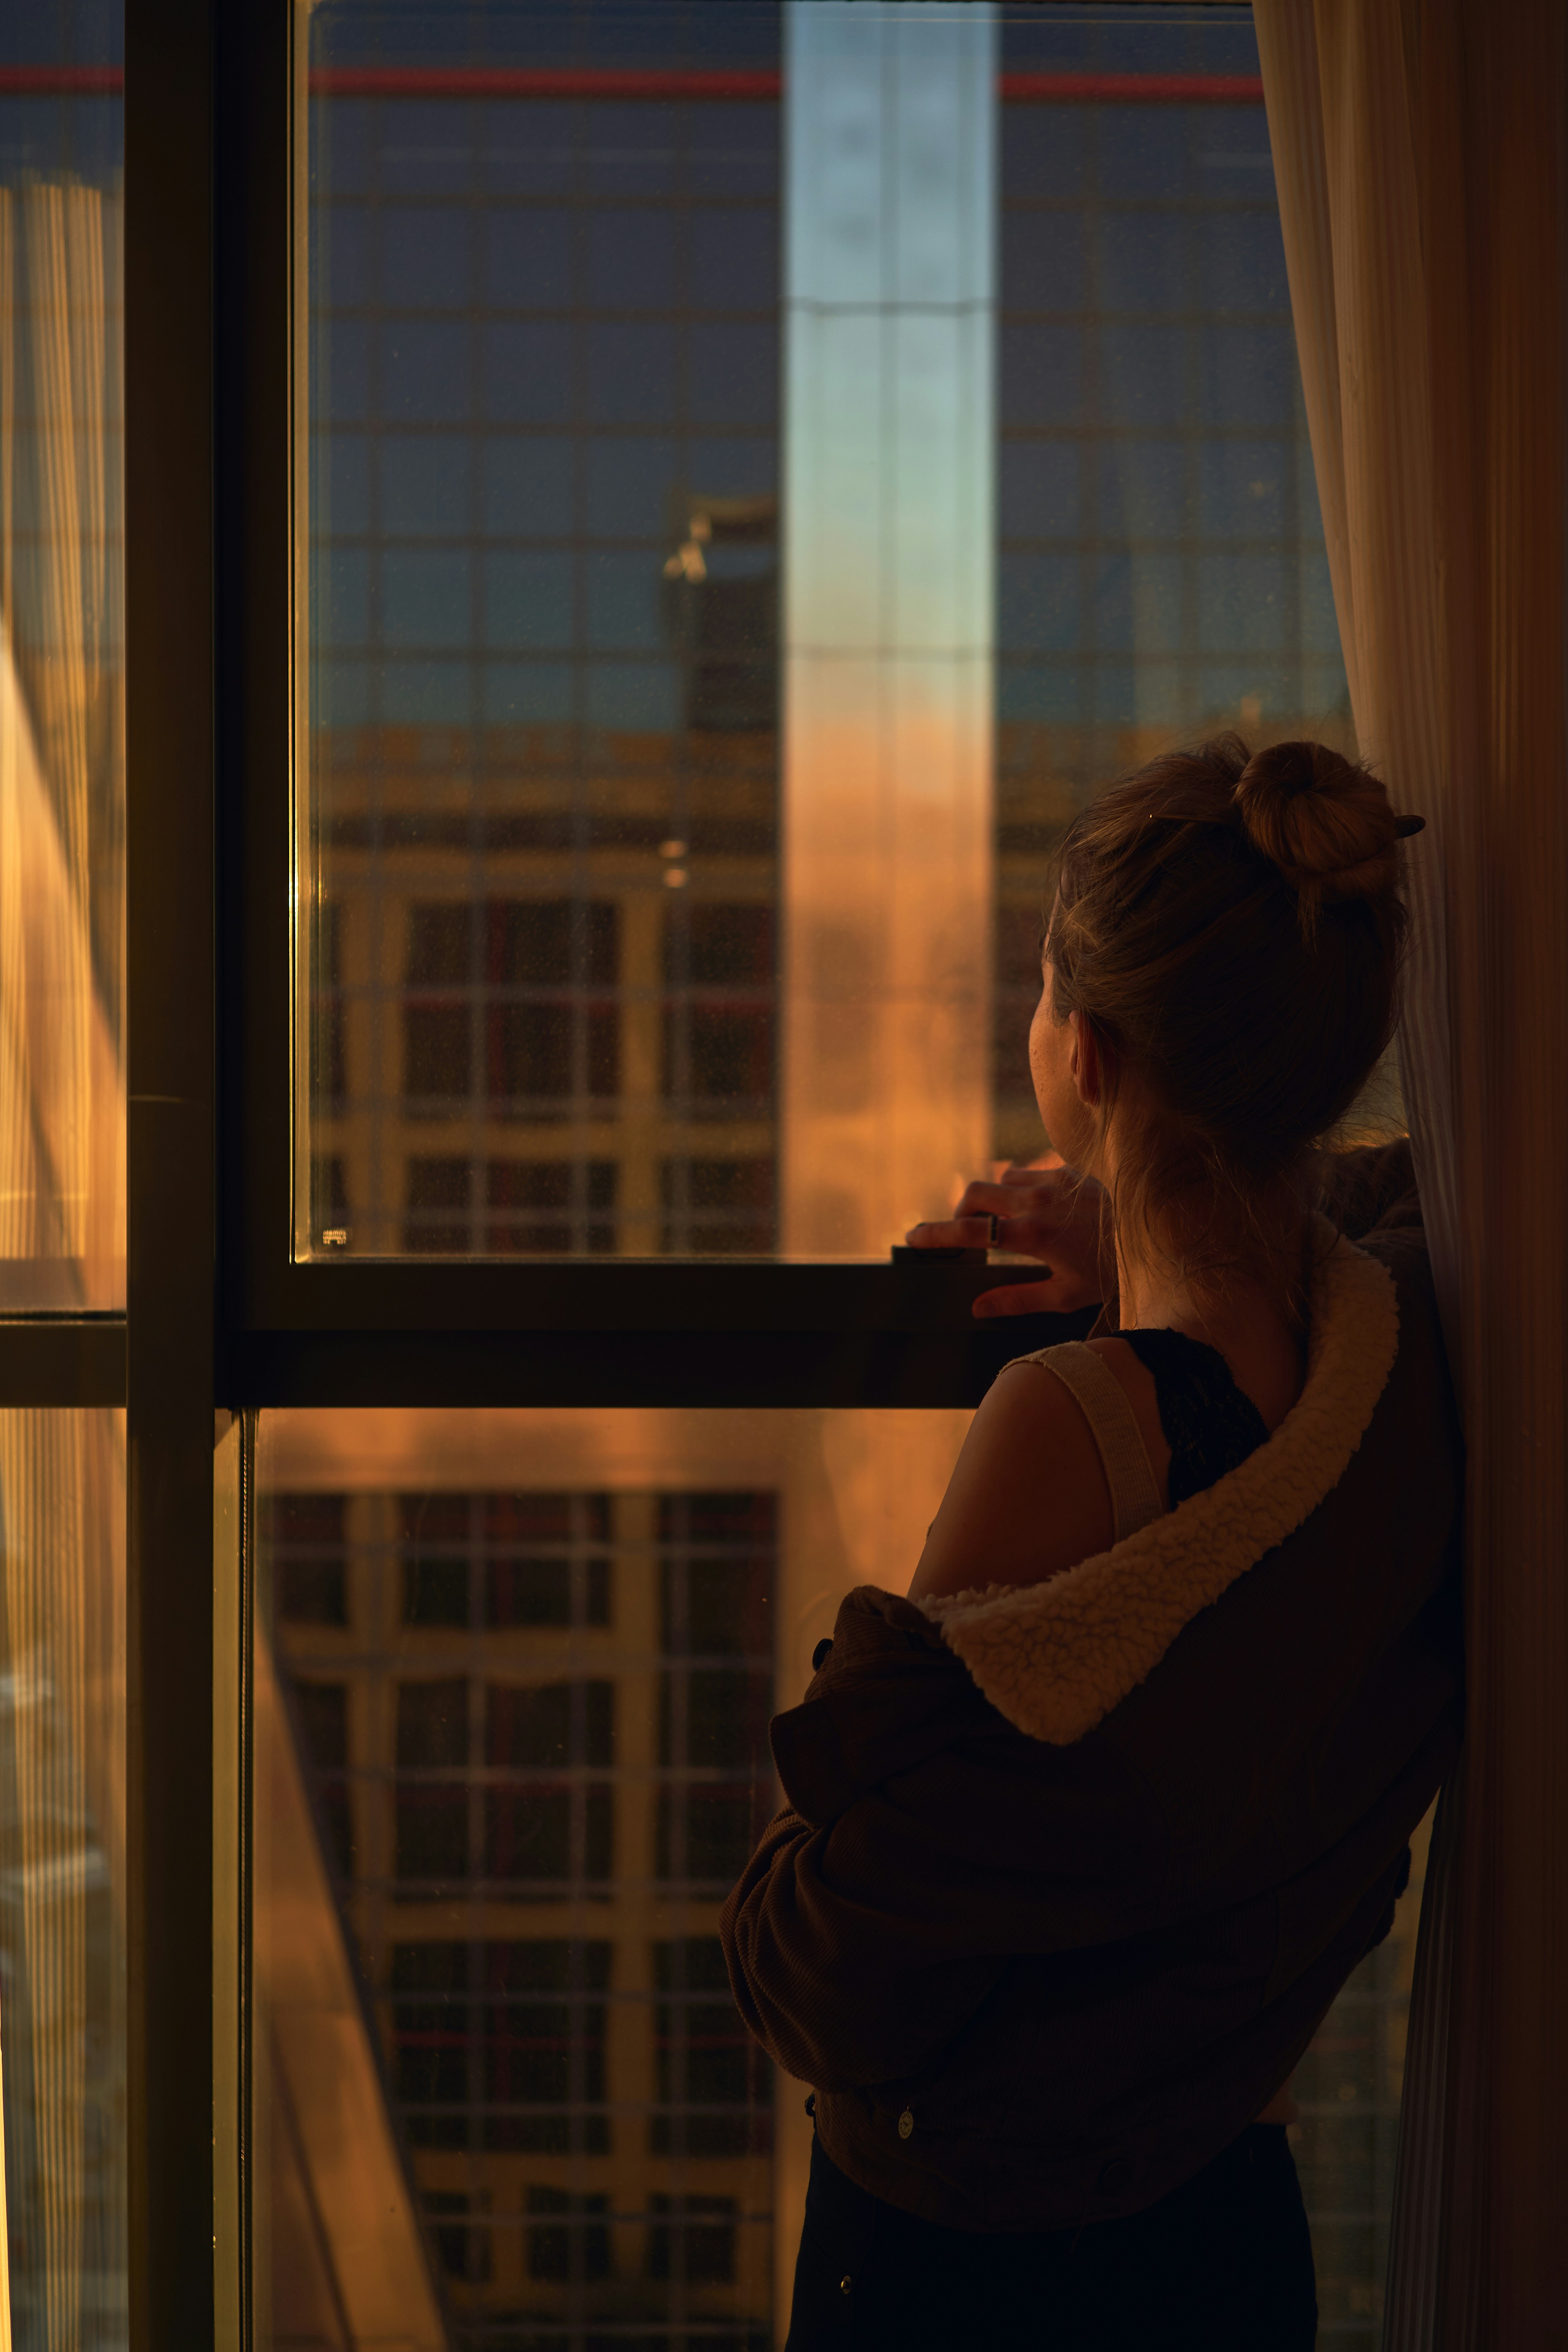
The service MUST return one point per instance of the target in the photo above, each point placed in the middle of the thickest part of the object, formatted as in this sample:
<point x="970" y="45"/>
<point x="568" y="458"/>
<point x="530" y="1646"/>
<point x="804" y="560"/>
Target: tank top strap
<point x="1210" y="1424"/>
<point x="1130" y="1475"/>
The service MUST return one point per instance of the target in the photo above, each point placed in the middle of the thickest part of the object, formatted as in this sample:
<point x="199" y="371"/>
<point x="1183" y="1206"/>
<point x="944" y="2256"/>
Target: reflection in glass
<point x="339" y="2257"/>
<point x="543" y="628"/>
<point x="1348" y="2089"/>
<point x="556" y="347"/>
<point x="513" y="1698"/>
<point x="658" y="909"/>
<point x="62" y="1181"/>
<point x="62" y="1877"/>
<point x="513" y="1707"/>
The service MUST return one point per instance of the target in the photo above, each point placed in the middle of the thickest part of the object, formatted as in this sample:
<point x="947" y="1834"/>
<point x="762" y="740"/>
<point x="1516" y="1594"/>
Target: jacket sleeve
<point x="841" y="1990"/>
<point x="924" y="1846"/>
<point x="1370" y="1190"/>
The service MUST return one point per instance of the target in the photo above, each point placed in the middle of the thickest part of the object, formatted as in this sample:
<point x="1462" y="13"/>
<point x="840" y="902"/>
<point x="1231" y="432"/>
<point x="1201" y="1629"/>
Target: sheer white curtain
<point x="1419" y="148"/>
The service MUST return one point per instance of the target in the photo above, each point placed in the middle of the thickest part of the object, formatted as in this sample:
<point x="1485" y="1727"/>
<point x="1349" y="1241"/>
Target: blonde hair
<point x="1229" y="926"/>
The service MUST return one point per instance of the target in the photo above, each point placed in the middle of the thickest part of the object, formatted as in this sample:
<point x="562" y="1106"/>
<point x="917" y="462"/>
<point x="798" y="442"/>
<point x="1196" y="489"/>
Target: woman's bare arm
<point x="1029" y="1496"/>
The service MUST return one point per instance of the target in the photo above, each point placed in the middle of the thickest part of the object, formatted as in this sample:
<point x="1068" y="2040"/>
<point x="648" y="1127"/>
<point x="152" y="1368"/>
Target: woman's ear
<point x="1083" y="1060"/>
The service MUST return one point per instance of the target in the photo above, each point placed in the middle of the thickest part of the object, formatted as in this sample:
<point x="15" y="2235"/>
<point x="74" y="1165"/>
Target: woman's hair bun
<point x="1322" y="819"/>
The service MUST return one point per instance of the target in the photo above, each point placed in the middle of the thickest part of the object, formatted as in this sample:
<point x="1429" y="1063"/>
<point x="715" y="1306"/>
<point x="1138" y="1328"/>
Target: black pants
<point x="1223" y="2264"/>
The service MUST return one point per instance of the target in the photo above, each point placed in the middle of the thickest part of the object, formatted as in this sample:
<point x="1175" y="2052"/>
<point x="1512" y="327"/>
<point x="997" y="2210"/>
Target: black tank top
<point x="1210" y="1425"/>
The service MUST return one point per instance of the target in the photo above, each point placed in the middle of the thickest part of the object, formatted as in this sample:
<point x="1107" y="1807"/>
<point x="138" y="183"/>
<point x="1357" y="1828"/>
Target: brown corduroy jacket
<point x="1068" y="1874"/>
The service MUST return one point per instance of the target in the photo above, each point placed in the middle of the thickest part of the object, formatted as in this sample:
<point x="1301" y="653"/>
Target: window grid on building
<point x="544" y="378"/>
<point x="535" y="1730"/>
<point x="546" y="624"/>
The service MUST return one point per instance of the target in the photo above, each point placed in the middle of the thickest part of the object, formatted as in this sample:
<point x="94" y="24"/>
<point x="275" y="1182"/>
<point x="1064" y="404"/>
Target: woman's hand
<point x="1047" y="1212"/>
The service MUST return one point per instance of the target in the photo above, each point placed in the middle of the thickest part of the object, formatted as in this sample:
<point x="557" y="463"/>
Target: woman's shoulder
<point x="1029" y="1496"/>
<point x="1138" y="1385"/>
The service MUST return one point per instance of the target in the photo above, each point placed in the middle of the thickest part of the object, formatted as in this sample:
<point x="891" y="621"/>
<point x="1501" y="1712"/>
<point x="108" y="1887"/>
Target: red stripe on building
<point x="638" y="83"/>
<point x="62" y="81"/>
<point x="541" y="81"/>
<point x="1131" y="89"/>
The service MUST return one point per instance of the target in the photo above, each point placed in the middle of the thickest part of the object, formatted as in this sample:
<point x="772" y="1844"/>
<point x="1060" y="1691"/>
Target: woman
<point x="1083" y="1837"/>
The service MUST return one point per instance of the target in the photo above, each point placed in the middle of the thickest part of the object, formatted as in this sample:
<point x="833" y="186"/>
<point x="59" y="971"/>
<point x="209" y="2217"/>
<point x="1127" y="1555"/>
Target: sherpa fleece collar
<point x="1056" y="1657"/>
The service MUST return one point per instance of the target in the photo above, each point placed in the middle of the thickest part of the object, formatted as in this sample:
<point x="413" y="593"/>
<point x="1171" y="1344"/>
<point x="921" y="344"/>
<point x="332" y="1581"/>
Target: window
<point x="713" y="2083"/>
<point x="62" y="670"/>
<point x="544" y="638"/>
<point x="549" y="658"/>
<point x="533" y="1740"/>
<point x="680" y="714"/>
<point x="66" y="1926"/>
<point x="574" y="2243"/>
<point x="681" y="792"/>
<point x="62" y="1850"/>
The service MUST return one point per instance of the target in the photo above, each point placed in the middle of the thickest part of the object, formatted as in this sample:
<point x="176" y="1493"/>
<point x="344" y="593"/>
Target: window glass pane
<point x="62" y="1869"/>
<point x="514" y="1679"/>
<point x="1161" y="565"/>
<point x="1348" y="2089"/>
<point x="764" y="504"/>
<point x="62" y="694"/>
<point x="514" y="1672"/>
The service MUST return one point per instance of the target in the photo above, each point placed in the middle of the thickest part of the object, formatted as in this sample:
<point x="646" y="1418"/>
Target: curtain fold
<point x="1421" y="150"/>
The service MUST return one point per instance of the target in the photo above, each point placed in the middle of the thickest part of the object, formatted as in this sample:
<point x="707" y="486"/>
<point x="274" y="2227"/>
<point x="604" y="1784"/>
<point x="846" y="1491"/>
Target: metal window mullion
<point x="1092" y="536"/>
<point x="680" y="1645"/>
<point x="579" y="880"/>
<point x="483" y="921"/>
<point x="177" y="347"/>
<point x="681" y="806"/>
<point x="678" y="1559"/>
<point x="575" y="1008"/>
<point x="383" y="1210"/>
<point x="480" y="1011"/>
<point x="478" y="1999"/>
<point x="1195" y="434"/>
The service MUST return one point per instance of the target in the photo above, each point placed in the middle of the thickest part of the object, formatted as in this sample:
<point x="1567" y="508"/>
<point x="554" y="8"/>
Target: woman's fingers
<point x="1029" y="1234"/>
<point x="1031" y="1213"/>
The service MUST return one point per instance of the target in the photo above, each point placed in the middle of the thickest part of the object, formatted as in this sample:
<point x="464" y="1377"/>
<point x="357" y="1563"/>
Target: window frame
<point x="185" y="1558"/>
<point x="434" y="1330"/>
<point x="220" y="1321"/>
